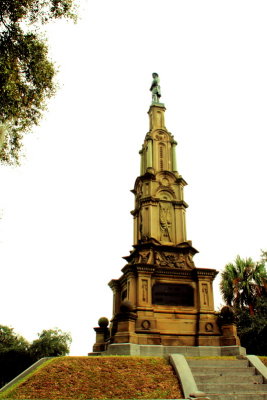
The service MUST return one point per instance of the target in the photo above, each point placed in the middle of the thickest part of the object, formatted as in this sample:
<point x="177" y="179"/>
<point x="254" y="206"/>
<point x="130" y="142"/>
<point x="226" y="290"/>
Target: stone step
<point x="217" y="363"/>
<point x="225" y="379"/>
<point x="223" y="371"/>
<point x="232" y="388"/>
<point x="237" y="396"/>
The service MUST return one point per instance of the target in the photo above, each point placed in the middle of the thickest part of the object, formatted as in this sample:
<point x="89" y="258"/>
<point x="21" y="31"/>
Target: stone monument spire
<point x="161" y="297"/>
<point x="159" y="190"/>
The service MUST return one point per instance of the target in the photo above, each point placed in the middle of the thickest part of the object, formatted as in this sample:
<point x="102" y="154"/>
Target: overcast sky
<point x="66" y="219"/>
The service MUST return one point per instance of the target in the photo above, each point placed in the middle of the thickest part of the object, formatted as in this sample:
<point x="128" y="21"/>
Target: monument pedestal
<point x="132" y="349"/>
<point x="172" y="299"/>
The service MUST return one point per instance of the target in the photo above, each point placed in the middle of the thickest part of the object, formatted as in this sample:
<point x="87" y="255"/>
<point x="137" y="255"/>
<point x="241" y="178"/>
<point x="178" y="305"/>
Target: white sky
<point x="66" y="219"/>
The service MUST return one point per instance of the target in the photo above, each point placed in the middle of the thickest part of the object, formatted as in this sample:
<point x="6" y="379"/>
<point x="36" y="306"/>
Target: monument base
<point x="130" y="349"/>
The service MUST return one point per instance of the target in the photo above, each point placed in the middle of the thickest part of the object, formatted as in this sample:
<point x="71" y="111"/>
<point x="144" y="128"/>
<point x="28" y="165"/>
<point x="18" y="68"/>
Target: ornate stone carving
<point x="181" y="261"/>
<point x="158" y="259"/>
<point x="165" y="222"/>
<point x="209" y="327"/>
<point x="139" y="189"/>
<point x="146" y="324"/>
<point x="165" y="181"/>
<point x="160" y="136"/>
<point x="145" y="290"/>
<point x="139" y="193"/>
<point x="143" y="257"/>
<point x="189" y="261"/>
<point x="172" y="260"/>
<point x="161" y="258"/>
<point x="205" y="294"/>
<point x="165" y="194"/>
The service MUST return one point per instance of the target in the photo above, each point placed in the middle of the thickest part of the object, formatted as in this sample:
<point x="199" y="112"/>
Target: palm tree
<point x="242" y="282"/>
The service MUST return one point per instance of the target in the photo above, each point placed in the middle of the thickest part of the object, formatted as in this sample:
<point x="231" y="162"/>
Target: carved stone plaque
<point x="170" y="294"/>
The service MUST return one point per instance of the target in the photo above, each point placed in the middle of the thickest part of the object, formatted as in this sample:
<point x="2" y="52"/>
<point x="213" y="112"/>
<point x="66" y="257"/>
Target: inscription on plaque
<point x="170" y="294"/>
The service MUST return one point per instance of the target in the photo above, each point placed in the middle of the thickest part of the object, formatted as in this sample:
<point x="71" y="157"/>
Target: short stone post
<point x="229" y="335"/>
<point x="228" y="327"/>
<point x="102" y="335"/>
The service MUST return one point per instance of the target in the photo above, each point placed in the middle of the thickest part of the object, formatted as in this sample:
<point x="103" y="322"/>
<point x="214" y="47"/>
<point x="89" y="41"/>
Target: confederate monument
<point x="161" y="298"/>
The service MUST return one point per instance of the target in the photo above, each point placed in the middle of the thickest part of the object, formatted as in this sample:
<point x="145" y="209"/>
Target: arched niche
<point x="165" y="194"/>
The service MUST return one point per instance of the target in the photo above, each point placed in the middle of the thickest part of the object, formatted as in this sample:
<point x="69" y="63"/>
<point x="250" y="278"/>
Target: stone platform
<point x="161" y="351"/>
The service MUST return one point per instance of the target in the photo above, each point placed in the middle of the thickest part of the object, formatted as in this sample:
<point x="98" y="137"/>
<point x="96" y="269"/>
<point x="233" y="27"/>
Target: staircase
<point x="228" y="379"/>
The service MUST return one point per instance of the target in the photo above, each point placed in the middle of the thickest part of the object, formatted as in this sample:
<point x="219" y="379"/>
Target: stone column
<point x="174" y="162"/>
<point x="149" y="163"/>
<point x="114" y="284"/>
<point x="141" y="162"/>
<point x="132" y="289"/>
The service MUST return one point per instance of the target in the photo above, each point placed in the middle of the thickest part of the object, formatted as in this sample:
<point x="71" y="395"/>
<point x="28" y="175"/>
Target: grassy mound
<point x="263" y="359"/>
<point x="98" y="378"/>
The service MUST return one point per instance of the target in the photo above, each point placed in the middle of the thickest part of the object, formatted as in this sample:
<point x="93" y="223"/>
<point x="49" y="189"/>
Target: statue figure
<point x="155" y="88"/>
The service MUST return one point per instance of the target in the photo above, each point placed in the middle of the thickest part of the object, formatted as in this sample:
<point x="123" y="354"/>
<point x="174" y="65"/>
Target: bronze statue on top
<point x="155" y="88"/>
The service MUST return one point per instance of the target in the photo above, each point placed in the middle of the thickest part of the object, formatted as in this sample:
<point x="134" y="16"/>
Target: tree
<point x="16" y="354"/>
<point x="10" y="340"/>
<point x="252" y="329"/>
<point x="244" y="287"/>
<point x="51" y="343"/>
<point x="242" y="282"/>
<point x="26" y="73"/>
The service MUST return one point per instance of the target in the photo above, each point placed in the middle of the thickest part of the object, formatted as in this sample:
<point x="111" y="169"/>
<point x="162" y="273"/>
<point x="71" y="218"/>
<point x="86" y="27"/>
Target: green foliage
<point x="244" y="287"/>
<point x="51" y="343"/>
<point x="252" y="329"/>
<point x="12" y="363"/>
<point x="10" y="341"/>
<point x="242" y="282"/>
<point x="16" y="354"/>
<point x="264" y="256"/>
<point x="26" y="73"/>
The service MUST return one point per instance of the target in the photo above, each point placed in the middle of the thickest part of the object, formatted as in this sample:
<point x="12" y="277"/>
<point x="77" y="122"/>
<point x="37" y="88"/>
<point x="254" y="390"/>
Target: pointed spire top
<point x="155" y="89"/>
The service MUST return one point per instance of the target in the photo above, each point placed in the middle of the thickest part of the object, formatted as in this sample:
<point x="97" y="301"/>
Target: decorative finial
<point x="155" y="88"/>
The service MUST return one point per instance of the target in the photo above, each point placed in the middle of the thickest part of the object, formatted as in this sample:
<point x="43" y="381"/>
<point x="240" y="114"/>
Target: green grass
<point x="68" y="378"/>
